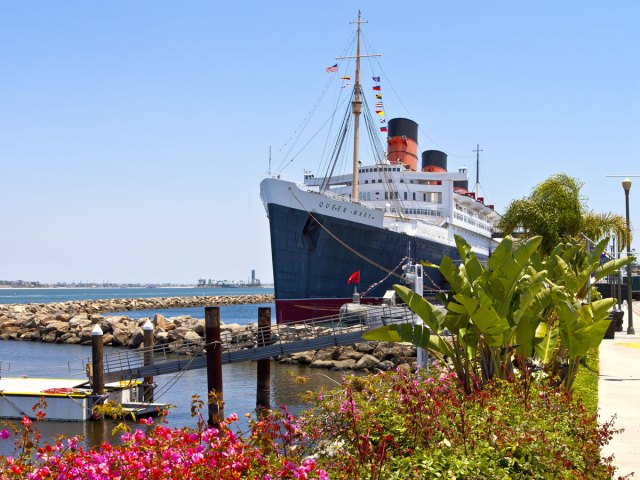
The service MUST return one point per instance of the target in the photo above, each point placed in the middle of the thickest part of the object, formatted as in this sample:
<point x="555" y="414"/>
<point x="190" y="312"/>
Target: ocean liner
<point x="371" y="220"/>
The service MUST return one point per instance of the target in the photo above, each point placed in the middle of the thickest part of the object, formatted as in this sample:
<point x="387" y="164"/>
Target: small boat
<point x="67" y="399"/>
<point x="370" y="220"/>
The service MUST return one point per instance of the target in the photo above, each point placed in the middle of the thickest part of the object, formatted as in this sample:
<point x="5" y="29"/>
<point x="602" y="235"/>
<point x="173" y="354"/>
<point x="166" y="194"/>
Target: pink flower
<point x="347" y="406"/>
<point x="26" y="421"/>
<point x="232" y="418"/>
<point x="4" y="434"/>
<point x="147" y="421"/>
<point x="209" y="434"/>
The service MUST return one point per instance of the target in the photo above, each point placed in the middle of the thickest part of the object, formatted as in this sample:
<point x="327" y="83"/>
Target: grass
<point x="586" y="383"/>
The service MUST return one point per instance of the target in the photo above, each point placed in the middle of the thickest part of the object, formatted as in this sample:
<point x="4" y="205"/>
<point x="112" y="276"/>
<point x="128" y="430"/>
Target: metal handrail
<point x="290" y="337"/>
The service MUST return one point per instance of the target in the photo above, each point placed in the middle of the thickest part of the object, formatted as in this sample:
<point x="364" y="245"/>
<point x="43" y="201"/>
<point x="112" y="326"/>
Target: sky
<point x="134" y="134"/>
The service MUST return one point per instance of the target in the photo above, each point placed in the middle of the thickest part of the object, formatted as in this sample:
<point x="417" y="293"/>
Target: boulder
<point x="79" y="321"/>
<point x="386" y="365"/>
<point x="161" y="337"/>
<point x="8" y="330"/>
<point x="192" y="337"/>
<point x="86" y="336"/>
<point x="303" y="358"/>
<point x="323" y="363"/>
<point x="199" y="328"/>
<point x="49" y="337"/>
<point x="366" y="347"/>
<point x="27" y="321"/>
<point x="120" y="337"/>
<point x="72" y="340"/>
<point x="160" y="320"/>
<point x="331" y="353"/>
<point x="348" y="364"/>
<point x="30" y="335"/>
<point x="348" y="352"/>
<point x="389" y="351"/>
<point x="367" y="362"/>
<point x="137" y="338"/>
<point x="56" y="326"/>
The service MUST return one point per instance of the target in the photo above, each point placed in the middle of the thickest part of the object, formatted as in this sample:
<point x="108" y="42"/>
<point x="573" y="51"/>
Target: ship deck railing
<point x="252" y="343"/>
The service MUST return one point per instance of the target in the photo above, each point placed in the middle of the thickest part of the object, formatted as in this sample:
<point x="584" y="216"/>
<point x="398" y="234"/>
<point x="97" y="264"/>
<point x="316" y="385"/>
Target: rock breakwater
<point x="72" y="322"/>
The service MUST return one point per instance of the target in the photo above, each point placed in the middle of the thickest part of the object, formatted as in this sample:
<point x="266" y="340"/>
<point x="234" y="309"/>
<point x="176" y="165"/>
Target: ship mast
<point x="477" y="186"/>
<point x="356" y="108"/>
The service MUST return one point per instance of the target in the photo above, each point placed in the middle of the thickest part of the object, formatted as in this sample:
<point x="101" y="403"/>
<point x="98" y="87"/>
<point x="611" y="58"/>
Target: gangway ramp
<point x="253" y="344"/>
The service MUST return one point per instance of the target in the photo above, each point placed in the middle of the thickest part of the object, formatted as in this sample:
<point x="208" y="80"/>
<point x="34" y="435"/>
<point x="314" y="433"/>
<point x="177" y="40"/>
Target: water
<point x="49" y="295"/>
<point x="54" y="360"/>
<point x="241" y="314"/>
<point x="239" y="379"/>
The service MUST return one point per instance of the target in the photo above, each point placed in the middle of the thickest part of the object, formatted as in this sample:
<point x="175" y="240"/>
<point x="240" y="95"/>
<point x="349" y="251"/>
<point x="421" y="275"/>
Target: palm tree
<point x="558" y="212"/>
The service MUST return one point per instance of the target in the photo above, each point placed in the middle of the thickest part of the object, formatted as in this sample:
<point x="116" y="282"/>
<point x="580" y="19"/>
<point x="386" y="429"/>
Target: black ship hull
<point x="314" y="255"/>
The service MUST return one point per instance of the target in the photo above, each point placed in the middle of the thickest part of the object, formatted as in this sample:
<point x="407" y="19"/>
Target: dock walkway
<point x="252" y="343"/>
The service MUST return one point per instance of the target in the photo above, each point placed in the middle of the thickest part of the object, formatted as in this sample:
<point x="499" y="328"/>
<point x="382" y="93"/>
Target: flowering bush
<point x="393" y="425"/>
<point x="401" y="424"/>
<point x="160" y="452"/>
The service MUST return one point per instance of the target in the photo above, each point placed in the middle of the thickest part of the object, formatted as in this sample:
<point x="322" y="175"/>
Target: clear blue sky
<point x="134" y="134"/>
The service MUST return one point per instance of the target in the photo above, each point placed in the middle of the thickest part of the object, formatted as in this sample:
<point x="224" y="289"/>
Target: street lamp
<point x="626" y="184"/>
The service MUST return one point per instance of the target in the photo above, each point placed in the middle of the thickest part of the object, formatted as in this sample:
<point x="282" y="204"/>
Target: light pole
<point x="626" y="184"/>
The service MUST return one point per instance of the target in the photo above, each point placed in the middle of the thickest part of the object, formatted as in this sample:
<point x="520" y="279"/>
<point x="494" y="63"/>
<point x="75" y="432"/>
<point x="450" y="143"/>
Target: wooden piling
<point x="97" y="360"/>
<point x="97" y="367"/>
<point x="147" y="385"/>
<point x="263" y="392"/>
<point x="214" y="365"/>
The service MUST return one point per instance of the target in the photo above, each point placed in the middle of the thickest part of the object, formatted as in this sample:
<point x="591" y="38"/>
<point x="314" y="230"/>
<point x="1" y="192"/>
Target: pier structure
<point x="260" y="344"/>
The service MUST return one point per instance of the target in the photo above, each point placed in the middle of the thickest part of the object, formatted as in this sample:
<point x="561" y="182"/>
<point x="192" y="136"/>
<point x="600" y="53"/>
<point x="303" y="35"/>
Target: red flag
<point x="384" y="129"/>
<point x="377" y="87"/>
<point x="354" y="279"/>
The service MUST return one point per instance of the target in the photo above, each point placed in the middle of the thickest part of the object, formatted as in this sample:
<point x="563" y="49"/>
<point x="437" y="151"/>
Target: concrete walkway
<point x="619" y="395"/>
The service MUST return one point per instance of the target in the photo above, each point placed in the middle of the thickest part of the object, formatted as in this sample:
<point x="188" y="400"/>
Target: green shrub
<point x="401" y="424"/>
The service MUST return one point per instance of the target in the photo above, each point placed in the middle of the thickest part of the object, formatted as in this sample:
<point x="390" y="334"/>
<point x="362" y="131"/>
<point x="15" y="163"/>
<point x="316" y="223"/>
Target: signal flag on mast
<point x="354" y="279"/>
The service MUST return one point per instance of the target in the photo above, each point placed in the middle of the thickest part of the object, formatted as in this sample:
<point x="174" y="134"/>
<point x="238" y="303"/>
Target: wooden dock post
<point x="214" y="365"/>
<point x="97" y="367"/>
<point x="147" y="385"/>
<point x="263" y="392"/>
<point x="97" y="360"/>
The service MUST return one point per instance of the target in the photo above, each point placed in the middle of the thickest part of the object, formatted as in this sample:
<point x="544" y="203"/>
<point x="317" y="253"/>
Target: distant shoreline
<point x="4" y="287"/>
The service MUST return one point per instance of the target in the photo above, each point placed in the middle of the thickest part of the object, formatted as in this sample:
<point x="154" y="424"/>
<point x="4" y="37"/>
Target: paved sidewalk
<point x="619" y="394"/>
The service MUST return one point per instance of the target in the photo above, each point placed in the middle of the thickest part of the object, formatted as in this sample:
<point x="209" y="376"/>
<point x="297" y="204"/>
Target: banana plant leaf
<point x="416" y="334"/>
<point x="547" y="341"/>
<point x="583" y="328"/>
<point x="431" y="315"/>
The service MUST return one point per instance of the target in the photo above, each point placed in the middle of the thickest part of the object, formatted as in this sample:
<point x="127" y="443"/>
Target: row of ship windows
<point x="401" y="181"/>
<point x="379" y="169"/>
<point x="472" y="221"/>
<point x="430" y="197"/>
<point x="421" y="211"/>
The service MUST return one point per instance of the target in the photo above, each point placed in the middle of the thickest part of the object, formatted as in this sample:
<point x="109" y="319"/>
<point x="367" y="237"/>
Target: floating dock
<point x="68" y="400"/>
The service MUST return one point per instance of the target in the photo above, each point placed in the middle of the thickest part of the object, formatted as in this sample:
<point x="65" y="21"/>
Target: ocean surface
<point x="49" y="295"/>
<point x="54" y="360"/>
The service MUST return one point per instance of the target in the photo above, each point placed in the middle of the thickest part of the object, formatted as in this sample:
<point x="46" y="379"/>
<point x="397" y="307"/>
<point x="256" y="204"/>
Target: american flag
<point x="332" y="68"/>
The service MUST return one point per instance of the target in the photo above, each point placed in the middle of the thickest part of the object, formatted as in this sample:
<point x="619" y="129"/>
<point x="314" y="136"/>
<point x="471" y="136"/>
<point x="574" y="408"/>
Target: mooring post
<point x="214" y="365"/>
<point x="97" y="366"/>
<point x="263" y="392"/>
<point x="147" y="386"/>
<point x="97" y="360"/>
